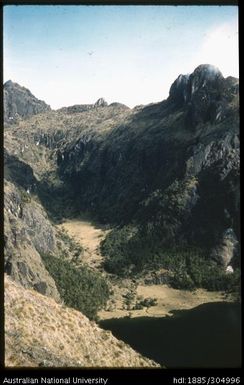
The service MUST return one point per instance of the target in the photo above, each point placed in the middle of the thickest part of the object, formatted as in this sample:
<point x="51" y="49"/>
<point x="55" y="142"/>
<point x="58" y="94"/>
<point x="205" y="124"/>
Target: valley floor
<point x="89" y="235"/>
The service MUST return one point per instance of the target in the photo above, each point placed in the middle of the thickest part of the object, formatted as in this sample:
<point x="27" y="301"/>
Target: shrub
<point x="80" y="288"/>
<point x="25" y="197"/>
<point x="138" y="306"/>
<point x="189" y="267"/>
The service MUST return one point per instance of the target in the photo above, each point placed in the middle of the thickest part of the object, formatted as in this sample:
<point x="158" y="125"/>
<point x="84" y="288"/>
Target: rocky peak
<point x="19" y="102"/>
<point x="8" y="84"/>
<point x="205" y="95"/>
<point x="101" y="102"/>
<point x="203" y="79"/>
<point x="205" y="73"/>
<point x="179" y="90"/>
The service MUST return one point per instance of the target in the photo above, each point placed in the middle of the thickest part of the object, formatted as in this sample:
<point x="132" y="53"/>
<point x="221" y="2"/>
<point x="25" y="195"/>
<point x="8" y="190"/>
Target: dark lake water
<point x="207" y="336"/>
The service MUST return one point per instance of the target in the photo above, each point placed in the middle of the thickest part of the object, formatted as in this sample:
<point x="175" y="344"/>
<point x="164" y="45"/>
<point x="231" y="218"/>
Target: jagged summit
<point x="204" y="94"/>
<point x="186" y="86"/>
<point x="101" y="102"/>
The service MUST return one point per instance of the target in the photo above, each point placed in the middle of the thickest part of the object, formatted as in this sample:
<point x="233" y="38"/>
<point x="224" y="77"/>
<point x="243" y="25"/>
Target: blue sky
<point x="131" y="54"/>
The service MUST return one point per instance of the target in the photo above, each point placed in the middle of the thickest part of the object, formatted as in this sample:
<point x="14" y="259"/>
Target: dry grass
<point x="40" y="332"/>
<point x="168" y="299"/>
<point x="89" y="236"/>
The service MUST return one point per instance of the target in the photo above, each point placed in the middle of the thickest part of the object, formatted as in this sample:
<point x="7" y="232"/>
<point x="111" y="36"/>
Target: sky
<point x="71" y="55"/>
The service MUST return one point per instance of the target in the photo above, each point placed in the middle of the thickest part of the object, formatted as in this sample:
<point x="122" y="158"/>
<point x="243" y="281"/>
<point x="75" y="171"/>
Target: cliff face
<point x="28" y="234"/>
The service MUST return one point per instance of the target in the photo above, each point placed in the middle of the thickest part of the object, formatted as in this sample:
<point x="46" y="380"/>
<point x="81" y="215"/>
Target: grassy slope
<point x="40" y="332"/>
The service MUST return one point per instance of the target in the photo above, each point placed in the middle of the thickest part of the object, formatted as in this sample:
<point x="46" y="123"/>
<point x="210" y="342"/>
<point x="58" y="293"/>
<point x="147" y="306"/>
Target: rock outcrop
<point x="20" y="103"/>
<point x="101" y="102"/>
<point x="205" y="93"/>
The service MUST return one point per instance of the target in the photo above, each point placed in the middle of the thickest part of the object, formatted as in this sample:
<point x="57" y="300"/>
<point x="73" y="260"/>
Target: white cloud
<point x="220" y="48"/>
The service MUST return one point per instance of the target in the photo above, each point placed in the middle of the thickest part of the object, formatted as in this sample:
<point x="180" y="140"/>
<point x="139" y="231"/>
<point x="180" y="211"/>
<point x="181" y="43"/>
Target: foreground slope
<point x="40" y="332"/>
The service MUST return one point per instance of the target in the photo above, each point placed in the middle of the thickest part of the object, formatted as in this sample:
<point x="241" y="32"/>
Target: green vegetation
<point x="129" y="252"/>
<point x="159" y="221"/>
<point x="25" y="197"/>
<point x="80" y="288"/>
<point x="191" y="269"/>
<point x="145" y="302"/>
<point x="116" y="249"/>
<point x="134" y="302"/>
<point x="129" y="298"/>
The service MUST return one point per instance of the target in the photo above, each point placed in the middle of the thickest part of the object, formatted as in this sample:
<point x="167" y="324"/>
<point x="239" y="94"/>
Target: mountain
<point x="164" y="177"/>
<point x="19" y="102"/>
<point x="171" y="169"/>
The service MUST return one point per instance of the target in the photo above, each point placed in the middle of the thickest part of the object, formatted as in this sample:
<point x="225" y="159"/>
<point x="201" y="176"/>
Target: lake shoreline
<point x="207" y="336"/>
<point x="89" y="235"/>
<point x="169" y="300"/>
